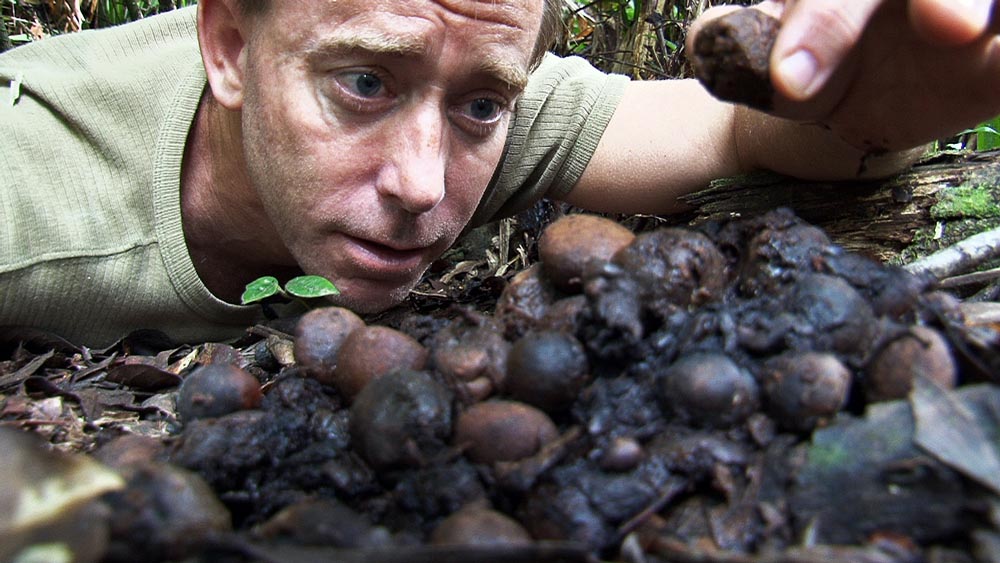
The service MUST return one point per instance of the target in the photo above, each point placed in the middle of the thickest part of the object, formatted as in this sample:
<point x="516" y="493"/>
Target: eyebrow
<point x="508" y="72"/>
<point x="371" y="41"/>
<point x="409" y="45"/>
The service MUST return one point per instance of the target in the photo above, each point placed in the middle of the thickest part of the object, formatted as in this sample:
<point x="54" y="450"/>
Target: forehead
<point x="498" y="35"/>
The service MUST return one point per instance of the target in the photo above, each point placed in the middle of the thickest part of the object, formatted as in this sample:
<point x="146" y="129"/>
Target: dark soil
<point x="721" y="417"/>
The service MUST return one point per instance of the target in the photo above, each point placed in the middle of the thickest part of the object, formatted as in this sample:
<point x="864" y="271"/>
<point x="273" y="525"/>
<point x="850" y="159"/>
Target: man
<point x="148" y="181"/>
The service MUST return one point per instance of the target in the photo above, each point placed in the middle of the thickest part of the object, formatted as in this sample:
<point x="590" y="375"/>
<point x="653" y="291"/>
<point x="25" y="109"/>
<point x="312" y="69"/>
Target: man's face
<point x="371" y="129"/>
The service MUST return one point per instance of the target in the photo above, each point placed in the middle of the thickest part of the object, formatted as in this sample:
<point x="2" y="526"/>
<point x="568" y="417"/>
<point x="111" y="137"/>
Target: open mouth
<point x="386" y="261"/>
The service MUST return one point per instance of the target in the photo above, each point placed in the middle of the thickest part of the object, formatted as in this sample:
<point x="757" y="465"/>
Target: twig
<point x="668" y="494"/>
<point x="960" y="257"/>
<point x="34" y="422"/>
<point x="966" y="279"/>
<point x="265" y="331"/>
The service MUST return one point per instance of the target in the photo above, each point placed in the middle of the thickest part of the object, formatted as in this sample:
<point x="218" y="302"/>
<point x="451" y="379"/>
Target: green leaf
<point x="986" y="135"/>
<point x="629" y="10"/>
<point x="310" y="287"/>
<point x="260" y="289"/>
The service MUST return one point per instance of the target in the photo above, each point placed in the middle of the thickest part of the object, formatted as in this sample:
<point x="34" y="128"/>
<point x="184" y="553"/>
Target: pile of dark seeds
<point x="649" y="397"/>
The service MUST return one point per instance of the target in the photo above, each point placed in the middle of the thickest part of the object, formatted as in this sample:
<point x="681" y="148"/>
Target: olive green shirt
<point x="92" y="133"/>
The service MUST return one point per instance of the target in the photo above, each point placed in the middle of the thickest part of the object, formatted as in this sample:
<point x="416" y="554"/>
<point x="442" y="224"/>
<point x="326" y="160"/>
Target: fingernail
<point x="798" y="72"/>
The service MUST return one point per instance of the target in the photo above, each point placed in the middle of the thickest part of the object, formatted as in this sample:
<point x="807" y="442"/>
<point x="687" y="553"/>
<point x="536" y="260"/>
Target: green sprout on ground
<point x="300" y="288"/>
<point x="987" y="137"/>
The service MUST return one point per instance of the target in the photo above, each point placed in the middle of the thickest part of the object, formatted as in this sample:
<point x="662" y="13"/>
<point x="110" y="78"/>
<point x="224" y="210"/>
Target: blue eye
<point x="483" y="109"/>
<point x="367" y="84"/>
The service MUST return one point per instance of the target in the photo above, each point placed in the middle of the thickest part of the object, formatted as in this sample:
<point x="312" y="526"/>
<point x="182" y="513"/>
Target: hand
<point x="884" y="74"/>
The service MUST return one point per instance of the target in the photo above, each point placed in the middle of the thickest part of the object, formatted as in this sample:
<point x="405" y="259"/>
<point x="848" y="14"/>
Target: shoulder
<point x="123" y="65"/>
<point x="555" y="71"/>
<point x="96" y="47"/>
<point x="85" y="133"/>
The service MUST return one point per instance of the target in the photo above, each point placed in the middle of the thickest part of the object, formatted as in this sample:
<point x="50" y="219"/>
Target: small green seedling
<point x="987" y="137"/>
<point x="302" y="287"/>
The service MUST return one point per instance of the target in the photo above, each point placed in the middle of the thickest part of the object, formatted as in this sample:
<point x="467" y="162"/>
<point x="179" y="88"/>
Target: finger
<point x="951" y="22"/>
<point x="816" y="36"/>
<point x="774" y="8"/>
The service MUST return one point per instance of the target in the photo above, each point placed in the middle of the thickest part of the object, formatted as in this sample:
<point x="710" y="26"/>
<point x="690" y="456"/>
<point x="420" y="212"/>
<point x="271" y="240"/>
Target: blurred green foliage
<point x="988" y="135"/>
<point x="30" y="20"/>
<point x="640" y="38"/>
<point x="983" y="137"/>
<point x="114" y="12"/>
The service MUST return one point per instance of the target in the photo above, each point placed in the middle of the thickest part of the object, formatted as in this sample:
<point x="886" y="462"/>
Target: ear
<point x="222" y="36"/>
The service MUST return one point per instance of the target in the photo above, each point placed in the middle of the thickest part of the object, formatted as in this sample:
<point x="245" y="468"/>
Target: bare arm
<point x="666" y="139"/>
<point x="670" y="138"/>
<point x="870" y="83"/>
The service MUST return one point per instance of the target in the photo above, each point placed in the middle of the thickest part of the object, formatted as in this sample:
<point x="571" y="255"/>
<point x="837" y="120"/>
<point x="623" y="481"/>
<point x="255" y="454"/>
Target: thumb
<point x="816" y="37"/>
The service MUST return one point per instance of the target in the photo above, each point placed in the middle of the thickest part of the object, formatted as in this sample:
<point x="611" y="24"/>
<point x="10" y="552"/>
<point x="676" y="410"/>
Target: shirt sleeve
<point x="557" y="124"/>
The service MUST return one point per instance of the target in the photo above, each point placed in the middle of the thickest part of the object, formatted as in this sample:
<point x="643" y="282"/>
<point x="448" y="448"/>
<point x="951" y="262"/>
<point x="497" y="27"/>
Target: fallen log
<point x="944" y="198"/>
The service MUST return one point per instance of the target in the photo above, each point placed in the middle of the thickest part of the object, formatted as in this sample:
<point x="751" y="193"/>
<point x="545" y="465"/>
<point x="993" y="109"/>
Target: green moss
<point x="973" y="202"/>
<point x="960" y="212"/>
<point x="828" y="456"/>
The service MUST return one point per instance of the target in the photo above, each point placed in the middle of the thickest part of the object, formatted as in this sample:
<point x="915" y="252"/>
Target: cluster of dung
<point x="618" y="380"/>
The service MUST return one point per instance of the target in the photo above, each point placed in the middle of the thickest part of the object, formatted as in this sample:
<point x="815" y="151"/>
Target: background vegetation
<point x="30" y="20"/>
<point x="641" y="38"/>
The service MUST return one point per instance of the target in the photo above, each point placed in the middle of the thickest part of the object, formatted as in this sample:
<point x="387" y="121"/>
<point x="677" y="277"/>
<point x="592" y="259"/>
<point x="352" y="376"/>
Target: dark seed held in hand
<point x="731" y="57"/>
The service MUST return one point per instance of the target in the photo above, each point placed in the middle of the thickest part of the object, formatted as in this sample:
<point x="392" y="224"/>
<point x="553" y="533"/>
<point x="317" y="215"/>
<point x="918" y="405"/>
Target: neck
<point x="229" y="237"/>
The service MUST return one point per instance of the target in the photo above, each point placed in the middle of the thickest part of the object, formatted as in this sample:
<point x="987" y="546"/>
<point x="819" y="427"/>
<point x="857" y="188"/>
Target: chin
<point x="370" y="301"/>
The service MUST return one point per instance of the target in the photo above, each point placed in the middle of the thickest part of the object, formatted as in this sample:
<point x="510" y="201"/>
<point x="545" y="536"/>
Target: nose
<point x="414" y="176"/>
